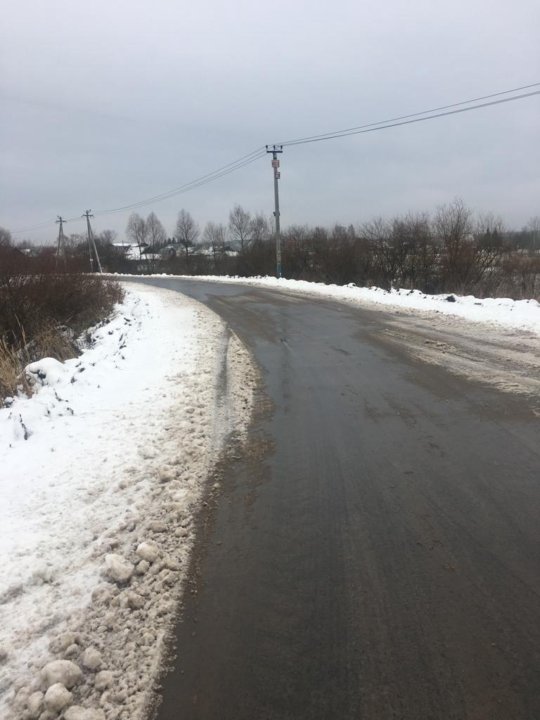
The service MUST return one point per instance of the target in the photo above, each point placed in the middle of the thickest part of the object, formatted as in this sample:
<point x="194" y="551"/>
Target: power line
<point x="203" y="180"/>
<point x="34" y="227"/>
<point x="385" y="124"/>
<point x="411" y="115"/>
<point x="193" y="184"/>
<point x="199" y="182"/>
<point x="260" y="152"/>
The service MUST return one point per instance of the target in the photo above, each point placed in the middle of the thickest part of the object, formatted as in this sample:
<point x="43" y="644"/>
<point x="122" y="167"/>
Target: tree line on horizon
<point x="451" y="250"/>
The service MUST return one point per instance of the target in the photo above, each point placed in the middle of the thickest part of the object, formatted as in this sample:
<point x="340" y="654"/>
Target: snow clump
<point x="91" y="659"/>
<point x="62" y="642"/>
<point x="148" y="551"/>
<point x="61" y="671"/>
<point x="46" y="371"/>
<point x="35" y="704"/>
<point x="118" y="568"/>
<point x="104" y="679"/>
<point x="57" y="697"/>
<point x="76" y="712"/>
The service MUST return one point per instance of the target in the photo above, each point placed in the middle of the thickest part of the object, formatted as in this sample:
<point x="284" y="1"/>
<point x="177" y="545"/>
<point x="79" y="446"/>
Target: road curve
<point x="375" y="553"/>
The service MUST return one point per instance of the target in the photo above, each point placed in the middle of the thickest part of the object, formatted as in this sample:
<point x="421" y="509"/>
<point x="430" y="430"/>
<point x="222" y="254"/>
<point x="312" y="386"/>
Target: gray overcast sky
<point x="106" y="103"/>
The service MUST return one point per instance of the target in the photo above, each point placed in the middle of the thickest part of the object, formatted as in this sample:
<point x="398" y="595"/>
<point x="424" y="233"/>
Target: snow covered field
<point x="101" y="471"/>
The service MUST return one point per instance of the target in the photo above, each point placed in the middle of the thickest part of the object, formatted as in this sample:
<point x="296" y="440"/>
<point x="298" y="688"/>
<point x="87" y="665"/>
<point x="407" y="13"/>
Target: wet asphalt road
<point x="374" y="553"/>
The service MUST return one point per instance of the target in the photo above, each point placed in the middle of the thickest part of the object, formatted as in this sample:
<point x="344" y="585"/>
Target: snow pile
<point x="505" y="312"/>
<point x="522" y="314"/>
<point x="101" y="470"/>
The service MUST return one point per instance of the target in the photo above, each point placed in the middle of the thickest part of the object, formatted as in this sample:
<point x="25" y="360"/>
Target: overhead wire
<point x="40" y="226"/>
<point x="258" y="153"/>
<point x="396" y="122"/>
<point x="197" y="182"/>
<point x="416" y="114"/>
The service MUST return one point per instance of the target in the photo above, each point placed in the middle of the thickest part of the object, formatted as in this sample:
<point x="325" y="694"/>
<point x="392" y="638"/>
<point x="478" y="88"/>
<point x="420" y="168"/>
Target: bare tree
<point x="534" y="224"/>
<point x="491" y="246"/>
<point x="137" y="231"/>
<point x="187" y="231"/>
<point x="240" y="227"/>
<point x="298" y="252"/>
<point x="112" y="258"/>
<point x="8" y="266"/>
<point x="454" y="230"/>
<point x="156" y="234"/>
<point x="377" y="234"/>
<point x="421" y="270"/>
<point x="260" y="229"/>
<point x="533" y="227"/>
<point x="489" y="231"/>
<point x="5" y="237"/>
<point x="107" y="236"/>
<point x="215" y="236"/>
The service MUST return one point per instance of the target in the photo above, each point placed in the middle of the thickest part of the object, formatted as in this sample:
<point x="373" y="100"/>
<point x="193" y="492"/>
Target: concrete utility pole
<point x="275" y="149"/>
<point x="91" y="243"/>
<point x="61" y="246"/>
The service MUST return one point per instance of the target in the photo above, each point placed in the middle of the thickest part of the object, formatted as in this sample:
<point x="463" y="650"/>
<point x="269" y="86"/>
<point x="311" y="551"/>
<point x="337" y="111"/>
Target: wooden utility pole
<point x="61" y="246"/>
<point x="275" y="149"/>
<point x="91" y="243"/>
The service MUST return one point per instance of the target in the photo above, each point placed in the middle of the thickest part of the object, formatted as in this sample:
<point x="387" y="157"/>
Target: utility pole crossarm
<point x="275" y="150"/>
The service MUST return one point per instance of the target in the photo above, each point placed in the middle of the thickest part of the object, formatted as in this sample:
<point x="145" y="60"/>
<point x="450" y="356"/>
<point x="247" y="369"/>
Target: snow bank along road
<point x="100" y="472"/>
<point x="374" y="553"/>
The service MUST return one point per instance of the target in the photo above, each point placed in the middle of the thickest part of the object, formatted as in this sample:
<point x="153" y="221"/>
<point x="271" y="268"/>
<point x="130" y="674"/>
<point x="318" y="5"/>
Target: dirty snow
<point x="101" y="471"/>
<point x="493" y="341"/>
<point x="503" y="312"/>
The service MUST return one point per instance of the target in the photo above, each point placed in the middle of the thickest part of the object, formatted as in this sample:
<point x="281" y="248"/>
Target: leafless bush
<point x="520" y="276"/>
<point x="11" y="367"/>
<point x="40" y="314"/>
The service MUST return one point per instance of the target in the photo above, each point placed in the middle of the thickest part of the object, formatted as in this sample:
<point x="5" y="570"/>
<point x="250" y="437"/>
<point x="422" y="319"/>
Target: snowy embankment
<point x="504" y="312"/>
<point x="522" y="314"/>
<point x="101" y="471"/>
